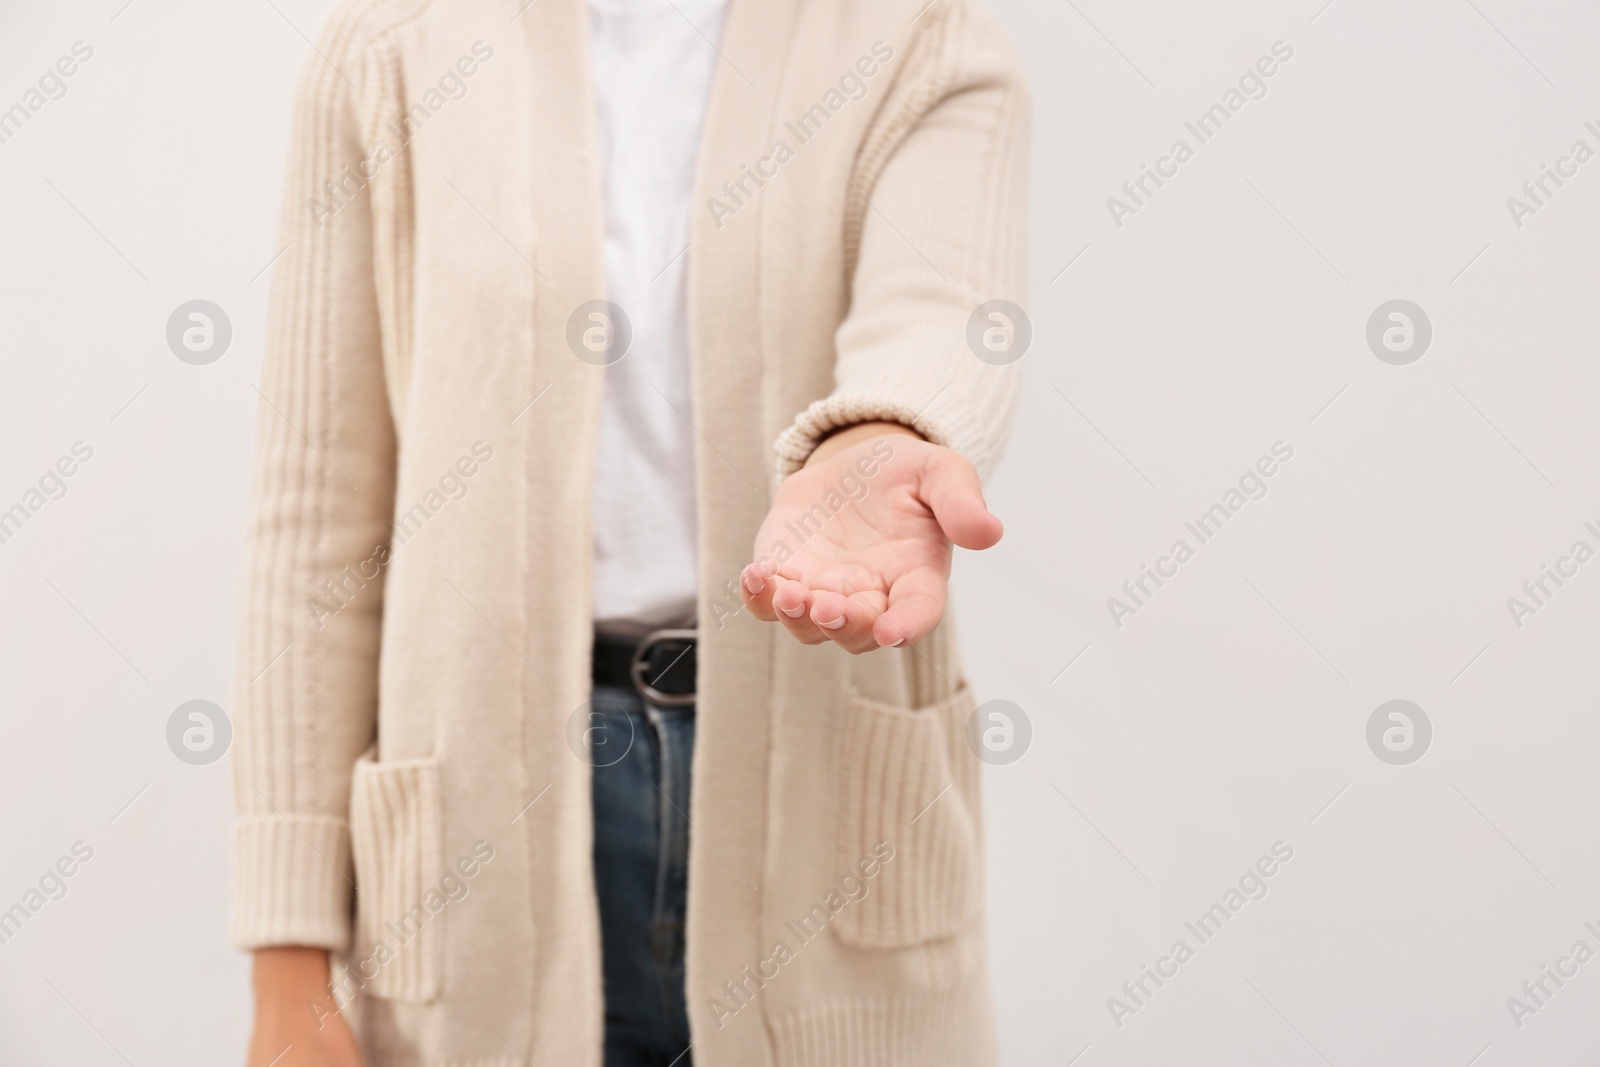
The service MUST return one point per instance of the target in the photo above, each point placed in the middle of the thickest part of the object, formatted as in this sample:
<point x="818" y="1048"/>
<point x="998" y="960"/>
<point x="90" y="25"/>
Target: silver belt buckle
<point x="638" y="667"/>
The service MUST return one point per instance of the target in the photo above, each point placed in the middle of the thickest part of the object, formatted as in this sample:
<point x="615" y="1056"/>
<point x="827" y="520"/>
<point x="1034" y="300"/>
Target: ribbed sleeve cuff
<point x="292" y="881"/>
<point x="938" y="420"/>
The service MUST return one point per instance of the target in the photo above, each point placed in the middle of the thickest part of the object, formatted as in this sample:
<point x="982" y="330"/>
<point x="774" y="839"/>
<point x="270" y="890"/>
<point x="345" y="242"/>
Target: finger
<point x="755" y="589"/>
<point x="846" y="620"/>
<point x="792" y="601"/>
<point x="916" y="605"/>
<point x="951" y="488"/>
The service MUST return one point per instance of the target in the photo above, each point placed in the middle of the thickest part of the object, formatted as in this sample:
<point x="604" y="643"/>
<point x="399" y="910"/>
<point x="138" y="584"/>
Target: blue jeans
<point x="641" y="756"/>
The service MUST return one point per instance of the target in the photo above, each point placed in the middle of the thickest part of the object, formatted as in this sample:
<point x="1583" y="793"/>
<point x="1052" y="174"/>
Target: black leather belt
<point x="659" y="665"/>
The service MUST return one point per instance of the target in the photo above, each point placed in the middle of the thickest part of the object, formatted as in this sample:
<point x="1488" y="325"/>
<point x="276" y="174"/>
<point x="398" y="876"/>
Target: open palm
<point x="857" y="546"/>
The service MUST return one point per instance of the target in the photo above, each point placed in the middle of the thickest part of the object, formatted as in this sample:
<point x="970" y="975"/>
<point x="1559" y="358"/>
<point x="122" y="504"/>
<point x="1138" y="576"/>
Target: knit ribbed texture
<point x="393" y="212"/>
<point x="942" y="1030"/>
<point x="425" y="309"/>
<point x="395" y="826"/>
<point x="922" y="270"/>
<point x="906" y="778"/>
<point x="309" y="902"/>
<point x="306" y="681"/>
<point x="951" y="427"/>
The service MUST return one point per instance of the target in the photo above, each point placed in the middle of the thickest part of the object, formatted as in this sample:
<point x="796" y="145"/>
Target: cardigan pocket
<point x="908" y="810"/>
<point x="395" y="820"/>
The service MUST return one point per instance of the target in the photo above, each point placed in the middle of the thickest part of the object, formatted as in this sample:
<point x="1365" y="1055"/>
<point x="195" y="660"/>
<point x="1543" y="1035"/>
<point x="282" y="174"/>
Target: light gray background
<point x="1168" y="355"/>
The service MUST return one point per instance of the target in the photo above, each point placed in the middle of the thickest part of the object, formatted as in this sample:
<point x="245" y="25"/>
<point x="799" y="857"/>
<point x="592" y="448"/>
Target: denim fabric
<point x="642" y="756"/>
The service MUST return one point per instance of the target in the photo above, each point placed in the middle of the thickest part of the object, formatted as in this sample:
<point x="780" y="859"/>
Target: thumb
<point x="950" y="487"/>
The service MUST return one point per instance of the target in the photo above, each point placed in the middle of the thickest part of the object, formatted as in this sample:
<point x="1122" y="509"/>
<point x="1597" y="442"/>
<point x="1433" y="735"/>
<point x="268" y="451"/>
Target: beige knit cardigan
<point x="413" y="662"/>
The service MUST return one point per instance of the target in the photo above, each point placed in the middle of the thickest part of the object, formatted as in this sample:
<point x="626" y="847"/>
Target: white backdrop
<point x="1177" y="340"/>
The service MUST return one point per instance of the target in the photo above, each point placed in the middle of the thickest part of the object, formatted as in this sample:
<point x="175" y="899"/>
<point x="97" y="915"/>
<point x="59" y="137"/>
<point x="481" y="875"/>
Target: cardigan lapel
<point x="561" y="433"/>
<point x="565" y="183"/>
<point x="569" y="250"/>
<point x="733" y="461"/>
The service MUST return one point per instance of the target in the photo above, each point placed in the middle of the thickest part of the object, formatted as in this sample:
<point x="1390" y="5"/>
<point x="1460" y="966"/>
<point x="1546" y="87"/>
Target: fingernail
<point x="794" y="613"/>
<point x="754" y="584"/>
<point x="896" y="643"/>
<point x="834" y="625"/>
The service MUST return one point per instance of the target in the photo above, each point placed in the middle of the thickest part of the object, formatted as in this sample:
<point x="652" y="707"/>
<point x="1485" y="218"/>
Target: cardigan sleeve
<point x="940" y="192"/>
<point x="305" y="690"/>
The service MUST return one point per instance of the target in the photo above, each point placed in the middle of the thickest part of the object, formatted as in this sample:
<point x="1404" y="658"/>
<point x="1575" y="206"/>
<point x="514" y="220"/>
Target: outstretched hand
<point x="857" y="546"/>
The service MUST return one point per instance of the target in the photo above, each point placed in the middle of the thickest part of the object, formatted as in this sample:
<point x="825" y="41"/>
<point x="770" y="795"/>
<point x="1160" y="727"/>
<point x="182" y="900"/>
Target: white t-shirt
<point x="652" y="78"/>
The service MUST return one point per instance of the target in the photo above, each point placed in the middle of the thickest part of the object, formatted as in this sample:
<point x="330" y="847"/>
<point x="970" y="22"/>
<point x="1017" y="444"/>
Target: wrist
<point x="291" y="972"/>
<point x="846" y="436"/>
